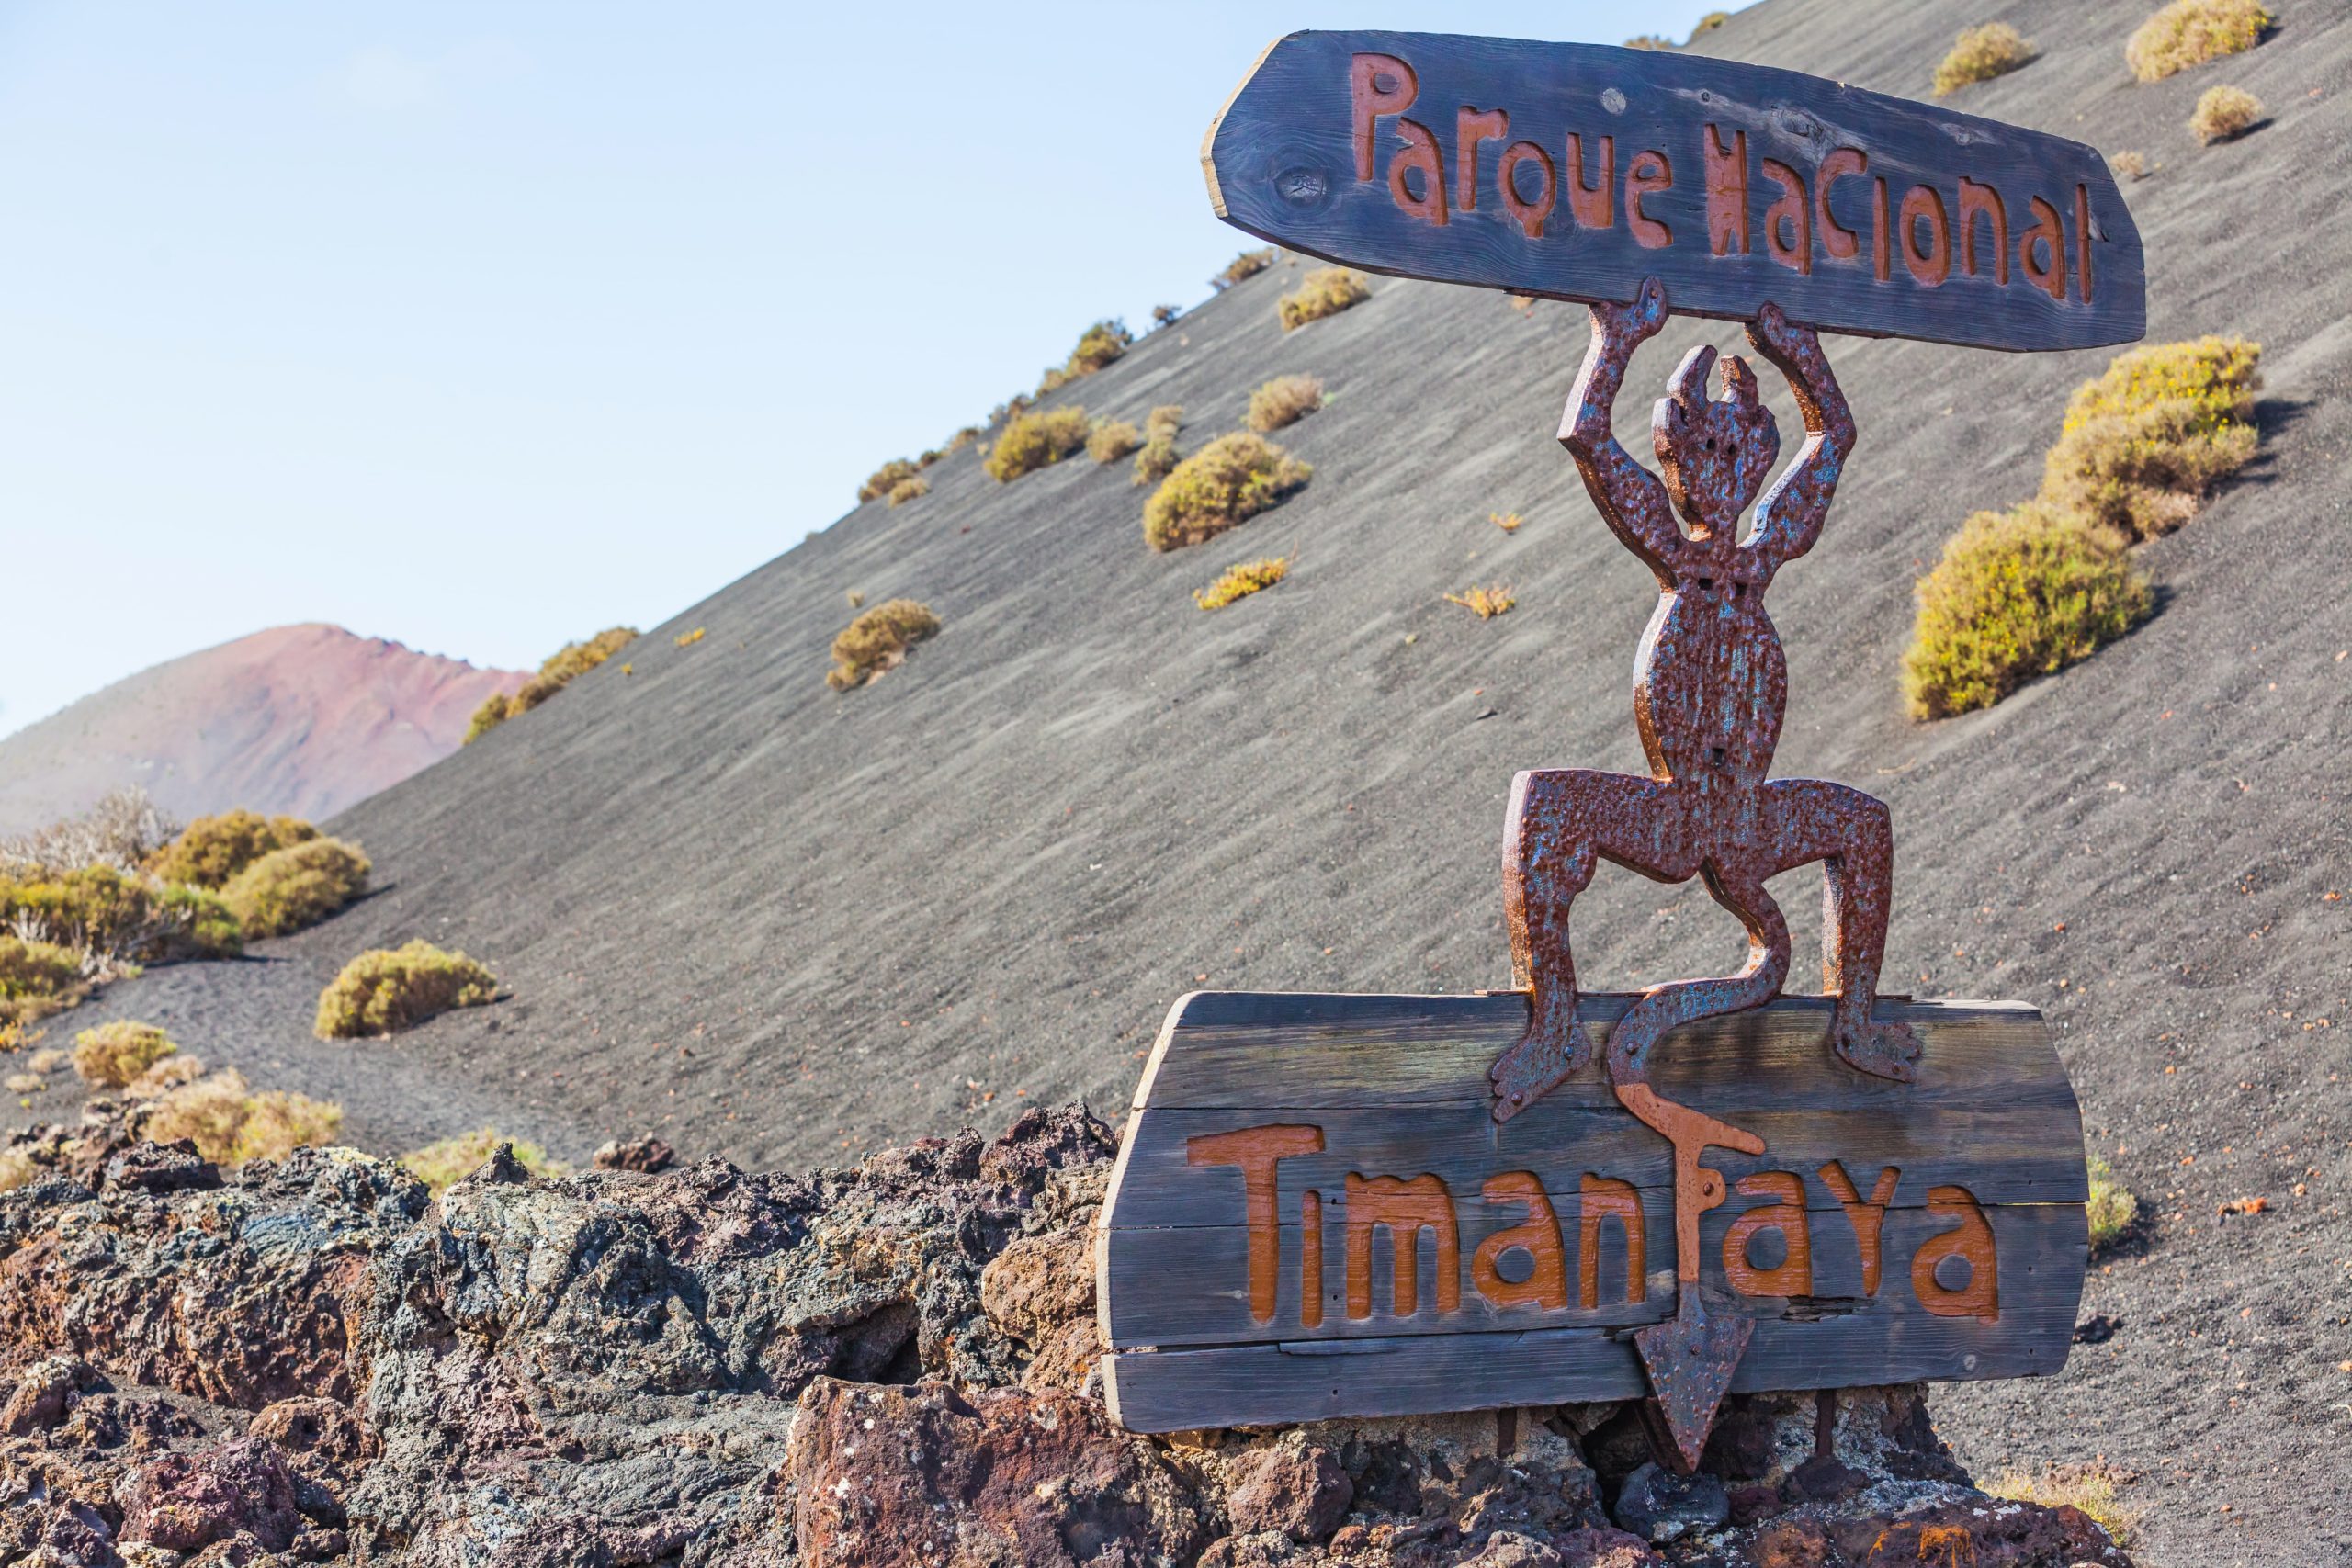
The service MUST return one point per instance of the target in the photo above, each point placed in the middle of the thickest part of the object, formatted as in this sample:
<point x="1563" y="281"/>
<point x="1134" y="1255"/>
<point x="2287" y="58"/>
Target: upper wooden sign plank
<point x="1575" y="171"/>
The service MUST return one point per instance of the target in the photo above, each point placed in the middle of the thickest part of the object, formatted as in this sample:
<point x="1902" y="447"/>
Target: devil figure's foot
<point x="1880" y="1048"/>
<point x="1553" y="1049"/>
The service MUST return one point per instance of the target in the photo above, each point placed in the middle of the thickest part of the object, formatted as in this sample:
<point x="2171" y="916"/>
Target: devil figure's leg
<point x="1852" y="835"/>
<point x="1560" y="823"/>
<point x="1665" y="1008"/>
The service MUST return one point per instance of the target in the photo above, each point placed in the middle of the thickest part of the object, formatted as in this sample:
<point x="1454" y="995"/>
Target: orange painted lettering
<point x="1792" y="210"/>
<point x="1528" y="214"/>
<point x="1867" y="1218"/>
<point x="2083" y="243"/>
<point x="1976" y="198"/>
<point x="1257" y="1150"/>
<point x="1968" y="1251"/>
<point x="1593" y="205"/>
<point x="1648" y="173"/>
<point x="1470" y="127"/>
<point x="1421" y="157"/>
<point x="1841" y="242"/>
<point x="1377" y="84"/>
<point x="1602" y="1197"/>
<point x="1407" y="1208"/>
<point x="1792" y="1276"/>
<point x="1727" y="172"/>
<point x="1310" y="1261"/>
<point x="1539" y="1232"/>
<point x="1922" y="204"/>
<point x="2051" y="235"/>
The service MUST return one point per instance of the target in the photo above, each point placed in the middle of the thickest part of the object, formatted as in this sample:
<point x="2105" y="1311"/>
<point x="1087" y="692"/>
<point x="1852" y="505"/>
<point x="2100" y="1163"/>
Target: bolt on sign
<point x="1575" y="171"/>
<point x="1372" y="1205"/>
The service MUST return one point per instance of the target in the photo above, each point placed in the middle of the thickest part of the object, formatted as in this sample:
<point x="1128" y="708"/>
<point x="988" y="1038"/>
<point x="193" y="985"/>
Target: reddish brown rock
<point x="187" y="1502"/>
<point x="1295" y="1487"/>
<point x="889" y="1476"/>
<point x="645" y="1155"/>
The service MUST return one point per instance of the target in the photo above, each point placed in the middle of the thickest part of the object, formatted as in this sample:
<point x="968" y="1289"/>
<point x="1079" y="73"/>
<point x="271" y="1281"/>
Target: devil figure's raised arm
<point x="1632" y="500"/>
<point x="1788" y="518"/>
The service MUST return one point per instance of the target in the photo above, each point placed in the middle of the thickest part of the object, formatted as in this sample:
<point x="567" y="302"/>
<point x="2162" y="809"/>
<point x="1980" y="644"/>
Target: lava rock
<point x="1295" y="1487"/>
<point x="645" y="1154"/>
<point x="187" y="1502"/>
<point x="1658" y="1506"/>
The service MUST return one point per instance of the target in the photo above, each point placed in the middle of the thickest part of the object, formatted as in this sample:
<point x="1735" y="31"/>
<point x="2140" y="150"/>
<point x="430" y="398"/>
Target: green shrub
<point x="2016" y="594"/>
<point x="1099" y="345"/>
<point x="2191" y="32"/>
<point x="878" y="640"/>
<point x="211" y="849"/>
<point x="1326" y="291"/>
<point x="1707" y="23"/>
<point x="113" y="1054"/>
<point x="907" y="489"/>
<point x="1013" y="408"/>
<point x="120" y="920"/>
<point x="2129" y="164"/>
<point x="1219" y="487"/>
<point x="442" y="1165"/>
<point x="1158" y="457"/>
<point x="562" y="666"/>
<point x="2144" y="444"/>
<point x="1165" y="316"/>
<point x="1980" y="54"/>
<point x="1649" y="41"/>
<point x="880" y="482"/>
<point x="300" y="886"/>
<point x="1112" y="439"/>
<point x="1241" y="580"/>
<point x="386" y="990"/>
<point x="1249" y="264"/>
<point x="37" y="978"/>
<point x="2112" y="1207"/>
<point x="2224" y="112"/>
<point x="1283" y="401"/>
<point x="231" y="1125"/>
<point x="964" y="438"/>
<point x="1033" y="441"/>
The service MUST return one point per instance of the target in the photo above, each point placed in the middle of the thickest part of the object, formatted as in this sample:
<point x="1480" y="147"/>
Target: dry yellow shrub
<point x="878" y="640"/>
<point x="1285" y="401"/>
<point x="1326" y="291"/>
<point x="2191" y="32"/>
<point x="1980" y="54"/>
<point x="1239" y="581"/>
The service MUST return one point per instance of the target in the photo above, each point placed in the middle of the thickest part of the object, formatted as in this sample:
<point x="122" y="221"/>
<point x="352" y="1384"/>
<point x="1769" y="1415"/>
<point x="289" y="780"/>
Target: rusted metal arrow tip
<point x="1690" y="1359"/>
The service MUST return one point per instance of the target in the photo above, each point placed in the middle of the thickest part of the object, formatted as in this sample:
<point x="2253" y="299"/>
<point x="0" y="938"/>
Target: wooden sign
<point x="1316" y="1213"/>
<point x="1575" y="171"/>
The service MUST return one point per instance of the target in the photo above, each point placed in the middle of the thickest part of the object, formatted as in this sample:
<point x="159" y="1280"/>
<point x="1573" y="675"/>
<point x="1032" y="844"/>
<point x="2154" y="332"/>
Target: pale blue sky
<point x="482" y="326"/>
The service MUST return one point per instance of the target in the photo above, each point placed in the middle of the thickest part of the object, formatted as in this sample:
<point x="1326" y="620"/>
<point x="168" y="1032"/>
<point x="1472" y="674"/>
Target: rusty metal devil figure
<point x="1710" y="683"/>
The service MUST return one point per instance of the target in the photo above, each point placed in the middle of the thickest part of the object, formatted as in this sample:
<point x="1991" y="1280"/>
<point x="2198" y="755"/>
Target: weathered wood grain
<point x="1856" y="212"/>
<point x="2041" y="1251"/>
<point x="1264" y="1119"/>
<point x="1311" y="1049"/>
<point x="1171" y="1390"/>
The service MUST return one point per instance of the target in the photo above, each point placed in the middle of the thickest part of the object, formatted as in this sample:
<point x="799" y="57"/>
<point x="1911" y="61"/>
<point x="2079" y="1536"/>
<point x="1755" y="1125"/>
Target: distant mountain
<point x="307" y="719"/>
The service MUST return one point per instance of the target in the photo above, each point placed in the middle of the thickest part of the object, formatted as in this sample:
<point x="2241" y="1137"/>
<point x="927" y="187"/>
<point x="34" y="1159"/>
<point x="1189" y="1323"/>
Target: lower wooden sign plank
<point x="1265" y="1385"/>
<point x="1197" y="1286"/>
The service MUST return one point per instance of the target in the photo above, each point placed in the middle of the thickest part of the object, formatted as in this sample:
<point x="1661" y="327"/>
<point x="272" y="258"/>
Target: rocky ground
<point x="312" y="1361"/>
<point x="779" y="924"/>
